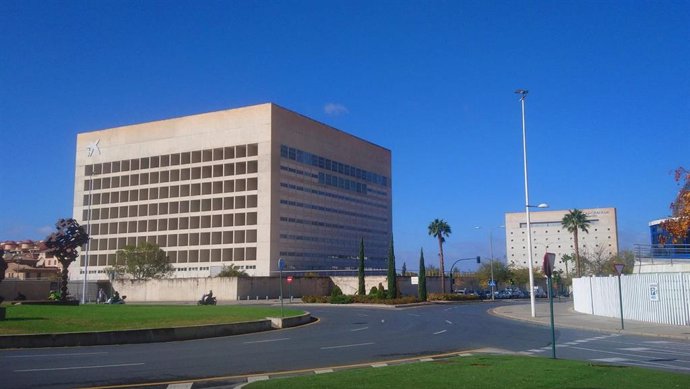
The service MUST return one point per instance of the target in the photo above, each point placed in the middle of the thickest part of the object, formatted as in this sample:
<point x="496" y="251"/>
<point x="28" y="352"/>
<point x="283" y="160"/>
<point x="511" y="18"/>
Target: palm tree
<point x="566" y="258"/>
<point x="573" y="221"/>
<point x="440" y="229"/>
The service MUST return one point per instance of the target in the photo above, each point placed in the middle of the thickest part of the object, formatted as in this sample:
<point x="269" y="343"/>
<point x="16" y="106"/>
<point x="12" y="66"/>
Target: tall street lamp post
<point x="523" y="96"/>
<point x="491" y="252"/>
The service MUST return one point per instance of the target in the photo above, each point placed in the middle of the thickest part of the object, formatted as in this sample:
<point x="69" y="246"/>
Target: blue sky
<point x="608" y="113"/>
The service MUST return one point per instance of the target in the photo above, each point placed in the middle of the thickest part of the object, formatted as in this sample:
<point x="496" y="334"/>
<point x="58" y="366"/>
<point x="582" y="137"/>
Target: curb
<point x="152" y="335"/>
<point x="493" y="312"/>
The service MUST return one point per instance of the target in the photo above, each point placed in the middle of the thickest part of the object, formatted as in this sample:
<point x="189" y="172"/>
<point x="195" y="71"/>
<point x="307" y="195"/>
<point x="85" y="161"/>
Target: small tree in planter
<point x="63" y="244"/>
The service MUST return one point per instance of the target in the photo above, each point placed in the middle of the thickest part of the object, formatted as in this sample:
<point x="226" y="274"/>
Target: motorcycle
<point x="207" y="301"/>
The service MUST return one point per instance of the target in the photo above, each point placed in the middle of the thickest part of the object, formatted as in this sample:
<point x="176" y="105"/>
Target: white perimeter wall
<point x="599" y="296"/>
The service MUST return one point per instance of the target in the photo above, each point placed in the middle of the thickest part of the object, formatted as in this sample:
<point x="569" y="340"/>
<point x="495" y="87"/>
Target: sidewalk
<point x="565" y="316"/>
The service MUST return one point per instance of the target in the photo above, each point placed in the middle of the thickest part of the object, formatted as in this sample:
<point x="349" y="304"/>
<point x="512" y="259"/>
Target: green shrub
<point x="370" y="299"/>
<point x="314" y="299"/>
<point x="341" y="299"/>
<point x="451" y="297"/>
<point x="382" y="291"/>
<point x="374" y="291"/>
<point x="336" y="291"/>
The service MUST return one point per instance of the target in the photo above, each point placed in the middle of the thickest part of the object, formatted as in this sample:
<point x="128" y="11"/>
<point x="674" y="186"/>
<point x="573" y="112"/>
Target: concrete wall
<point x="32" y="289"/>
<point x="657" y="298"/>
<point x="252" y="288"/>
<point x="177" y="289"/>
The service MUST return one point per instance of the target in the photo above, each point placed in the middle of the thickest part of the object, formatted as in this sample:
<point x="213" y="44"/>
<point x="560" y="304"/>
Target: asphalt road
<point x="344" y="335"/>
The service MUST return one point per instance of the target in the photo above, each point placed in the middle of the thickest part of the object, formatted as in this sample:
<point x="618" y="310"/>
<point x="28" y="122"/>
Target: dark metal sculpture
<point x="64" y="245"/>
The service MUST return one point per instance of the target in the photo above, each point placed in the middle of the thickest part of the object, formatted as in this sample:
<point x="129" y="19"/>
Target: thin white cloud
<point x="335" y="109"/>
<point x="45" y="230"/>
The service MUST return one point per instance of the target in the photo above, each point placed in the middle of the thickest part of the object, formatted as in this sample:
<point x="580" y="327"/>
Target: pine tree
<point x="392" y="289"/>
<point x="422" y="276"/>
<point x="362" y="288"/>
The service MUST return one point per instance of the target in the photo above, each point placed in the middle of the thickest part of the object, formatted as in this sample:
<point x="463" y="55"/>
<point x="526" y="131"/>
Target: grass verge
<point x="490" y="372"/>
<point x="37" y="319"/>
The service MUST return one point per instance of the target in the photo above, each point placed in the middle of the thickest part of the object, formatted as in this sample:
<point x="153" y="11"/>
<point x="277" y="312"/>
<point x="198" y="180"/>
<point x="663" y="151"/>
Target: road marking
<point x="658" y="342"/>
<point x="448" y="309"/>
<point x="449" y="322"/>
<point x="536" y="350"/>
<point x="53" y="355"/>
<point x="414" y="314"/>
<point x="323" y="371"/>
<point x="78" y="367"/>
<point x="347" y="345"/>
<point x="359" y="329"/>
<point x="187" y="385"/>
<point x="379" y="365"/>
<point x="440" y="332"/>
<point x="266" y="341"/>
<point x="635" y="349"/>
<point x="257" y="378"/>
<point x="362" y="314"/>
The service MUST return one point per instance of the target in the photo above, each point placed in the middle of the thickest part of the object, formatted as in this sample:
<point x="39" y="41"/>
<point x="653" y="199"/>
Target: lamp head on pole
<point x="522" y="93"/>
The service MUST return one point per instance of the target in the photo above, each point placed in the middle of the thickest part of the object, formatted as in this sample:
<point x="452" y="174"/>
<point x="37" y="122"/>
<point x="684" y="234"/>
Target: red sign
<point x="549" y="259"/>
<point x="289" y="279"/>
<point x="619" y="267"/>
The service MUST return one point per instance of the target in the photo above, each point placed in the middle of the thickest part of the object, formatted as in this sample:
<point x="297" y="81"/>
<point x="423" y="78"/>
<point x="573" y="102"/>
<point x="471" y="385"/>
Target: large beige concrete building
<point x="244" y="186"/>
<point x="549" y="235"/>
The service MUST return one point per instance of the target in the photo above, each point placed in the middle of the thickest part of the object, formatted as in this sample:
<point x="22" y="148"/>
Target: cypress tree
<point x="362" y="288"/>
<point x="392" y="289"/>
<point x="422" y="276"/>
<point x="404" y="269"/>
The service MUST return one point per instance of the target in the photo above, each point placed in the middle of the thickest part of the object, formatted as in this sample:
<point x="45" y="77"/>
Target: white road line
<point x="414" y="314"/>
<point x="440" y="332"/>
<point x="186" y="385"/>
<point x="636" y="360"/>
<point x="323" y="371"/>
<point x="449" y="322"/>
<point x="78" y="367"/>
<point x="635" y="349"/>
<point x="658" y="342"/>
<point x="448" y="309"/>
<point x="535" y="350"/>
<point x="54" y="355"/>
<point x="359" y="329"/>
<point x="379" y="365"/>
<point x="347" y="345"/>
<point x="266" y="341"/>
<point x="362" y="314"/>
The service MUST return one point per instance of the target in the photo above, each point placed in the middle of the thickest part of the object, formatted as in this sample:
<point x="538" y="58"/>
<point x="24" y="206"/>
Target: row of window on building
<point x="307" y="158"/>
<point x="185" y="158"/>
<point x="174" y="207"/>
<point x="184" y="256"/>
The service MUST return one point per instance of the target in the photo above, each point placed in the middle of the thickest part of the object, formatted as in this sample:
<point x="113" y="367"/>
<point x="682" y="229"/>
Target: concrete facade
<point x="244" y="186"/>
<point x="549" y="235"/>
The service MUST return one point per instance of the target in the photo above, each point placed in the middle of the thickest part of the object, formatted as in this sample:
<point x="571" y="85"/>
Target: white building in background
<point x="549" y="235"/>
<point x="244" y="186"/>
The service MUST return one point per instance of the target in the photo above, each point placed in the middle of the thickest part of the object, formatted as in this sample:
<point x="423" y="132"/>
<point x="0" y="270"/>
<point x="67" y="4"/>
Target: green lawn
<point x="35" y="319"/>
<point x="490" y="372"/>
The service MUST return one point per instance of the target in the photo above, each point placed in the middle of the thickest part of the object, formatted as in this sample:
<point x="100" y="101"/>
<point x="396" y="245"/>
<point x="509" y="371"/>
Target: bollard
<point x="247" y="297"/>
<point x="257" y="298"/>
<point x="266" y="298"/>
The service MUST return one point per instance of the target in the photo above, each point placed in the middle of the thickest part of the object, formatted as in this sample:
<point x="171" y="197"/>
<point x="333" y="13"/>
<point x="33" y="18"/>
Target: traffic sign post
<point x="619" y="269"/>
<point x="549" y="259"/>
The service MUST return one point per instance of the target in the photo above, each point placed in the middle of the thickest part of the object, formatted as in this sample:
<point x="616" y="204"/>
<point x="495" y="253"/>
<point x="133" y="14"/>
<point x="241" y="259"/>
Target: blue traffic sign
<point x="492" y="283"/>
<point x="281" y="264"/>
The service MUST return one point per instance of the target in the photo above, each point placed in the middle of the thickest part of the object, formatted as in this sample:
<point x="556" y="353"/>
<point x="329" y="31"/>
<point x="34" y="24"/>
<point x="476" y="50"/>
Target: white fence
<point x="657" y="298"/>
